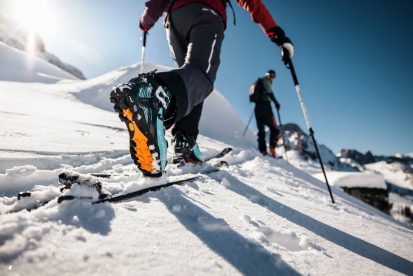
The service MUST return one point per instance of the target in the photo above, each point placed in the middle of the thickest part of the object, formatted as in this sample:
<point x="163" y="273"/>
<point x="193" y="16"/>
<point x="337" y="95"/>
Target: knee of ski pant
<point x="197" y="85"/>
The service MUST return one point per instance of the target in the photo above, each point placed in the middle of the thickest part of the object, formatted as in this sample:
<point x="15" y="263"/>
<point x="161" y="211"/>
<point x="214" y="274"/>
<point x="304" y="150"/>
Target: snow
<point x="393" y="173"/>
<point x="261" y="216"/>
<point x="22" y="38"/>
<point x="354" y="179"/>
<point x="18" y="66"/>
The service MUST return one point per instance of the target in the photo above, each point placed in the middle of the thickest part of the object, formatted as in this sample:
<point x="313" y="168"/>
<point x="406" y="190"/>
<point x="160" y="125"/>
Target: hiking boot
<point x="141" y="104"/>
<point x="186" y="149"/>
<point x="272" y="152"/>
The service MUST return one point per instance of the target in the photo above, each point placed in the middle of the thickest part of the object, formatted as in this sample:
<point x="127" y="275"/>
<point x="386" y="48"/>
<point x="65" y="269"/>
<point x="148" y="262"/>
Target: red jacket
<point x="154" y="9"/>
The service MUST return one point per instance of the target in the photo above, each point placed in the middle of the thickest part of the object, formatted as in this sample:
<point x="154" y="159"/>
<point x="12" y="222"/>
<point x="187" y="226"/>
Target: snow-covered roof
<point x="354" y="179"/>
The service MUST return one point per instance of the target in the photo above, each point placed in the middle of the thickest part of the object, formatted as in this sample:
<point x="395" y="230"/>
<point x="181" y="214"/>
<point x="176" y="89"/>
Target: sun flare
<point x="38" y="16"/>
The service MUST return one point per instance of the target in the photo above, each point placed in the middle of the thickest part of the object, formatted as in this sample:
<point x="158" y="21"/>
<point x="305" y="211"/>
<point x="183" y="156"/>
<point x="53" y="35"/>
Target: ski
<point x="67" y="179"/>
<point x="180" y="162"/>
<point x="30" y="201"/>
<point x="173" y="180"/>
<point x="220" y="154"/>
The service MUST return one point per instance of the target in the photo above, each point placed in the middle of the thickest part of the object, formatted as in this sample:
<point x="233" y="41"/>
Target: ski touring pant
<point x="265" y="117"/>
<point x="195" y="33"/>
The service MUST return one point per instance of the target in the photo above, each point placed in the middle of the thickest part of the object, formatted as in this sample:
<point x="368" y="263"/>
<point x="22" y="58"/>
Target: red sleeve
<point x="152" y="11"/>
<point x="259" y="13"/>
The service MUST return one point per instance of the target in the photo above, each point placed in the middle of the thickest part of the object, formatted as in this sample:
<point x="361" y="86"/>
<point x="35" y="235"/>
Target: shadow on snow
<point x="343" y="239"/>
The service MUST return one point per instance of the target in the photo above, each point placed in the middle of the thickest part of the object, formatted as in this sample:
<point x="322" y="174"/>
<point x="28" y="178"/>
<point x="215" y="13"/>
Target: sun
<point x="35" y="15"/>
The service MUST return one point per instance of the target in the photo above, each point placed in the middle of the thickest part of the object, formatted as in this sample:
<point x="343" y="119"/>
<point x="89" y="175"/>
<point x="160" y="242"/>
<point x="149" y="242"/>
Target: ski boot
<point x="272" y="152"/>
<point x="141" y="104"/>
<point x="186" y="149"/>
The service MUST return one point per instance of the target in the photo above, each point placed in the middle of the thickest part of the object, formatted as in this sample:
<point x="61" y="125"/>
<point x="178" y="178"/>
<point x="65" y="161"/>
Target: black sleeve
<point x="272" y="97"/>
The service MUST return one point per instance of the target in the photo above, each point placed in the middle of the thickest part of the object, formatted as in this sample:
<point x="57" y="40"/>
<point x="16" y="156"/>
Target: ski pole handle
<point x="285" y="56"/>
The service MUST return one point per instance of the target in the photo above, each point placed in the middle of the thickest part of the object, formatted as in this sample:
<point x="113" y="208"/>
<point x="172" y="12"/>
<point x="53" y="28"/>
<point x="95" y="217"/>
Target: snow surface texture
<point x="261" y="216"/>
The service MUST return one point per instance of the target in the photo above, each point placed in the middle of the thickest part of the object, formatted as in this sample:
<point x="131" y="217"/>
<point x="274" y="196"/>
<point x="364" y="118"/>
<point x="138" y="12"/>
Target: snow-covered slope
<point x="261" y="216"/>
<point x="16" y="65"/>
<point x="19" y="37"/>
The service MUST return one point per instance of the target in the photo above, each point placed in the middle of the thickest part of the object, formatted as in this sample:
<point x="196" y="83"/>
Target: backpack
<point x="256" y="91"/>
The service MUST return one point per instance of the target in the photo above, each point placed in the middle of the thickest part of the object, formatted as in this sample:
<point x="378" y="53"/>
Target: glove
<point x="277" y="105"/>
<point x="143" y="28"/>
<point x="277" y="35"/>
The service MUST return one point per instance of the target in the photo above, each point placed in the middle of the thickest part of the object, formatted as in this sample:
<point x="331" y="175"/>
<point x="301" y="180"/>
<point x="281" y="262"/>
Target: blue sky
<point x="353" y="60"/>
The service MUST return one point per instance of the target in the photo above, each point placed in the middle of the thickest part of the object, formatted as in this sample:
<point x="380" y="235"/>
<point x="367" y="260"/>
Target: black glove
<point x="277" y="35"/>
<point x="277" y="105"/>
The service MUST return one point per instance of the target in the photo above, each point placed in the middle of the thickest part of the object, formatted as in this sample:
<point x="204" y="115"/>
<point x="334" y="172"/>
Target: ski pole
<point x="249" y="121"/>
<point x="289" y="64"/>
<point x="143" y="49"/>
<point x="283" y="134"/>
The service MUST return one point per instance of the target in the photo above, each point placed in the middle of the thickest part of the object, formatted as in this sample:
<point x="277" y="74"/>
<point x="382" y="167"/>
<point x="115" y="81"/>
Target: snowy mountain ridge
<point x="261" y="216"/>
<point x="18" y="37"/>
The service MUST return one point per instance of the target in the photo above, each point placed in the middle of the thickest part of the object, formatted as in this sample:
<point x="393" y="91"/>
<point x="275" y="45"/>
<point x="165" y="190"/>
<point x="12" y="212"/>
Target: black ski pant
<point x="195" y="33"/>
<point x="265" y="117"/>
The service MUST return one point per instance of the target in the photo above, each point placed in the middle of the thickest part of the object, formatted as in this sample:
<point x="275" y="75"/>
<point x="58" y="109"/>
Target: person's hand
<point x="277" y="105"/>
<point x="277" y="35"/>
<point x="143" y="28"/>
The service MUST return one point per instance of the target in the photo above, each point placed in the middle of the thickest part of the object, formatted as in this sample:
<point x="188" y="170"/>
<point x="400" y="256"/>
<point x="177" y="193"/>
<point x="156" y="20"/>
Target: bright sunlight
<point x="38" y="15"/>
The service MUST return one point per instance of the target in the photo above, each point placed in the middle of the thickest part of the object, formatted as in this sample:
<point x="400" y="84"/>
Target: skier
<point x="154" y="101"/>
<point x="264" y="115"/>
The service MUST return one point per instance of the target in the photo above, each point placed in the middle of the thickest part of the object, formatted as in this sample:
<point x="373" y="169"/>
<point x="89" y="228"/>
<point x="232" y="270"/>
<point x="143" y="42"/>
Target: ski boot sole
<point x="143" y="150"/>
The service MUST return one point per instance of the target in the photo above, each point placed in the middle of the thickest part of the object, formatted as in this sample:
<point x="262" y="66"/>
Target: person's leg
<point x="185" y="133"/>
<point x="199" y="36"/>
<point x="262" y="146"/>
<point x="146" y="102"/>
<point x="190" y="123"/>
<point x="193" y="81"/>
<point x="274" y="133"/>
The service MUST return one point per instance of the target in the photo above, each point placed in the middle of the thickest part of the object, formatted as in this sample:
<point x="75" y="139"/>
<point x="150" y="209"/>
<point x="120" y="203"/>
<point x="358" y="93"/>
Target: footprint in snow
<point x="290" y="241"/>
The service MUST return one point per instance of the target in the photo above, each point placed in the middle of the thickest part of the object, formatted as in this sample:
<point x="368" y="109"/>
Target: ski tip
<point x="222" y="164"/>
<point x="23" y="194"/>
<point x="60" y="199"/>
<point x="227" y="150"/>
<point x="102" y="175"/>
